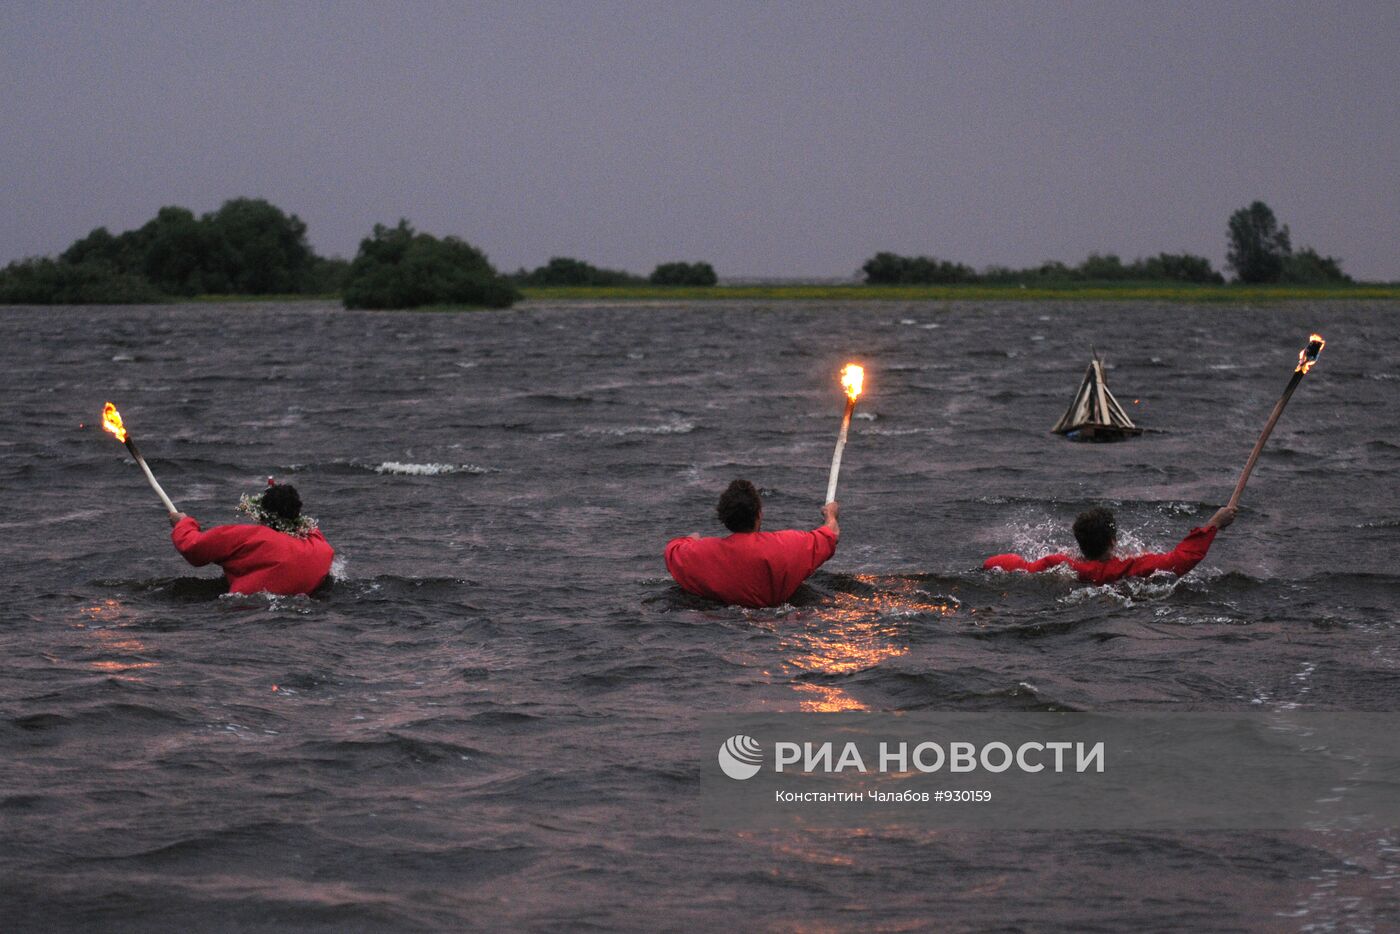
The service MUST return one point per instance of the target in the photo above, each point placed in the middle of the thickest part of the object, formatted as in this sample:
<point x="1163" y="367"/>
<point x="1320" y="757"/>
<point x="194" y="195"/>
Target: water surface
<point x="485" y="721"/>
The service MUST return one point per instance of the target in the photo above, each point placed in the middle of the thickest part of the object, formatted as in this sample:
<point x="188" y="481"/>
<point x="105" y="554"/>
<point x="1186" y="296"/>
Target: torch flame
<point x="852" y="380"/>
<point x="112" y="421"/>
<point x="1308" y="355"/>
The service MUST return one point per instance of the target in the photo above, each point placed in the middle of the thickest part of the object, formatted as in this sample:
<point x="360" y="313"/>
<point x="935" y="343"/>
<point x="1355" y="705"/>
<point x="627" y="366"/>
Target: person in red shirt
<point x="1097" y="534"/>
<point x="285" y="553"/>
<point x="751" y="567"/>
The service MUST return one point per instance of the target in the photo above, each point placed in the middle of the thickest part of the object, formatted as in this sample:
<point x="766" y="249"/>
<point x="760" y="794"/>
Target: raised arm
<point x="201" y="548"/>
<point x="1188" y="553"/>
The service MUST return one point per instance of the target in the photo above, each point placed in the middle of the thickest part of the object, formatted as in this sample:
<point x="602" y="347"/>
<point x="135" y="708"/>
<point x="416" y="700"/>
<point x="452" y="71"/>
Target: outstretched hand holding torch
<point x="112" y="422"/>
<point x="1306" y="358"/>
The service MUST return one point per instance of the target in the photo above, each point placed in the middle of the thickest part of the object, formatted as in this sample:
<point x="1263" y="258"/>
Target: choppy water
<point x="484" y="722"/>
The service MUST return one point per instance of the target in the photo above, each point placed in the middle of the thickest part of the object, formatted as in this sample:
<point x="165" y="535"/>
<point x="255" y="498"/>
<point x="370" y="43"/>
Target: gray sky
<point x="770" y="139"/>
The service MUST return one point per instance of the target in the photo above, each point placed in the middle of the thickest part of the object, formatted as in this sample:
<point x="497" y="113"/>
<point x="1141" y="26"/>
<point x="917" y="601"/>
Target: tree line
<point x="892" y="269"/>
<point x="246" y="247"/>
<point x="566" y="271"/>
<point x="1258" y="251"/>
<point x="251" y="247"/>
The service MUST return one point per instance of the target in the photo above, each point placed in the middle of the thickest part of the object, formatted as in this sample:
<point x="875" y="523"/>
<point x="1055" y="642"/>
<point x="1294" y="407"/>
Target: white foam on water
<point x="899" y="432"/>
<point x="677" y="427"/>
<point x="427" y="470"/>
<point x="1126" y="592"/>
<point x="299" y="604"/>
<point x="1034" y="541"/>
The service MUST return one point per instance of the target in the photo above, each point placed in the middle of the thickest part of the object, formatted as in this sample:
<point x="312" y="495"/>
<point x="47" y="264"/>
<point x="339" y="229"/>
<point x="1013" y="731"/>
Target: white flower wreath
<point x="251" y="506"/>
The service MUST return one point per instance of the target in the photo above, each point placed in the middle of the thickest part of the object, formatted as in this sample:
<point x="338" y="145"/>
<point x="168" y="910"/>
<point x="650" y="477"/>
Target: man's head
<point x="282" y="500"/>
<point x="1096" y="533"/>
<point x="740" y="507"/>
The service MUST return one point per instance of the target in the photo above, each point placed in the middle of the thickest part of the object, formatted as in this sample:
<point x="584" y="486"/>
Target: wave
<point x="678" y="427"/>
<point x="104" y="718"/>
<point x="336" y="587"/>
<point x="401" y="469"/>
<point x="177" y="589"/>
<point x="1125" y="592"/>
<point x="386" y="750"/>
<point x="393" y="585"/>
<point x="961" y="689"/>
<point x="901" y="432"/>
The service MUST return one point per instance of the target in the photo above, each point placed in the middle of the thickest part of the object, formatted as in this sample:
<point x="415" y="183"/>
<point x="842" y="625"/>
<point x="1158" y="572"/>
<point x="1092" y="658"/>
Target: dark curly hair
<point x="739" y="506"/>
<point x="282" y="500"/>
<point x="1096" y="531"/>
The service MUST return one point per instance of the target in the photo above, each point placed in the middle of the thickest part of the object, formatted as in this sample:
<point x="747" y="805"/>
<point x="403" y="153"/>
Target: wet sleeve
<point x="674" y="548"/>
<point x="201" y="548"/>
<point x="1017" y="563"/>
<point x="823" y="547"/>
<point x="1180" y="559"/>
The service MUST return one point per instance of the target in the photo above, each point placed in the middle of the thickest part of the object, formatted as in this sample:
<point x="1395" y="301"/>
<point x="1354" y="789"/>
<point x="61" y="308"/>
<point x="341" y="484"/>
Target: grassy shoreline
<point x="1071" y="291"/>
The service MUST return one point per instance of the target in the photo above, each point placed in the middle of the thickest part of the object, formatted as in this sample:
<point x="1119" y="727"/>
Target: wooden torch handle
<point x="1264" y="436"/>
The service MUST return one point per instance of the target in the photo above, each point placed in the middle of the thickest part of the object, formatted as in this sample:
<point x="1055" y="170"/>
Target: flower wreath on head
<point x="250" y="504"/>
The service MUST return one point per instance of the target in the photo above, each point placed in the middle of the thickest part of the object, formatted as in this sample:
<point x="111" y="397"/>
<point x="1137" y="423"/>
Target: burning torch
<point x="852" y="380"/>
<point x="112" y="421"/>
<point x="1306" y="358"/>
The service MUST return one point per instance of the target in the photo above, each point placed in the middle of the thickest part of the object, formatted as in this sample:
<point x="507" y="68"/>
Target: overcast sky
<point x="778" y="139"/>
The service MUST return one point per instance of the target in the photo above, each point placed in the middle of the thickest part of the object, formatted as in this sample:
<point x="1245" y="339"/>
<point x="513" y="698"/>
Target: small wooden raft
<point x="1095" y="415"/>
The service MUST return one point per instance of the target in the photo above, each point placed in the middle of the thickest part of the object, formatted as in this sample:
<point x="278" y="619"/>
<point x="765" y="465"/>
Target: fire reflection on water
<point x="858" y="630"/>
<point x="118" y="652"/>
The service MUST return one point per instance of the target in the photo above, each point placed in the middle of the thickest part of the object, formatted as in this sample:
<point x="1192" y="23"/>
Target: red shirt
<point x="749" y="568"/>
<point x="1179" y="560"/>
<point x="255" y="558"/>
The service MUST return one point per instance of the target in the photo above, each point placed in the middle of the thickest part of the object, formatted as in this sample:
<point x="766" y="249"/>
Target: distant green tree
<point x="55" y="282"/>
<point x="683" y="274"/>
<point x="120" y="253"/>
<point x="327" y="276"/>
<point x="399" y="268"/>
<point x="1182" y="267"/>
<point x="563" y="270"/>
<point x="1104" y="268"/>
<point x="175" y="249"/>
<point x="1307" y="267"/>
<point x="1000" y="274"/>
<point x="885" y="268"/>
<point x="248" y="246"/>
<point x="1258" y="247"/>
<point x="1052" y="270"/>
<point x="254" y="248"/>
<point x="892" y="269"/>
<point x="926" y="270"/>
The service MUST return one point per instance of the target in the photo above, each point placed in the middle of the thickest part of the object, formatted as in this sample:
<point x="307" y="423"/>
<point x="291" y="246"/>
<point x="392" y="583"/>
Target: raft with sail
<point x="1095" y="415"/>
